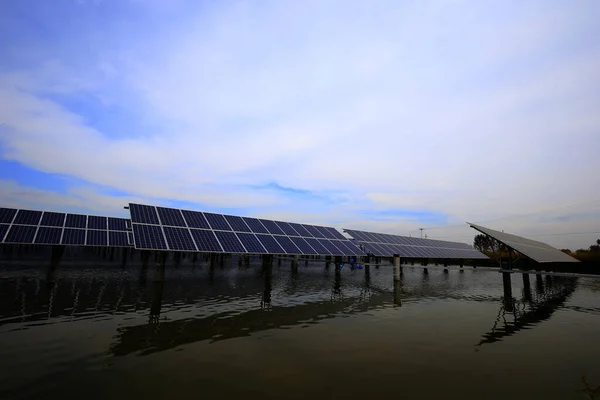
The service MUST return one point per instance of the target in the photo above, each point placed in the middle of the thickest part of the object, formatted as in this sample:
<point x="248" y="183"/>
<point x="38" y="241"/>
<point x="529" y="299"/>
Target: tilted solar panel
<point x="7" y="215"/>
<point x="53" y="219"/>
<point x="76" y="221"/>
<point x="48" y="235"/>
<point x="179" y="238"/>
<point x="20" y="234"/>
<point x="206" y="241"/>
<point x="230" y="242"/>
<point x="28" y="217"/>
<point x="251" y="243"/>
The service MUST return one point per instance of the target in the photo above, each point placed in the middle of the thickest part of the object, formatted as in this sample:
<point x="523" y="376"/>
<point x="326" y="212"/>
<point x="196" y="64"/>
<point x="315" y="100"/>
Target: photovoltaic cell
<point x="270" y="244"/>
<point x="130" y="238"/>
<point x="170" y="217"/>
<point x="287" y="244"/>
<point x="286" y="228"/>
<point x="73" y="236"/>
<point x="149" y="237"/>
<point x="20" y="234"/>
<point x="217" y="221"/>
<point x="179" y="238"/>
<point x="195" y="219"/>
<point x="76" y="221"/>
<point x="272" y="227"/>
<point x="3" y="230"/>
<point x="143" y="214"/>
<point x="48" y="235"/>
<point x="328" y="244"/>
<point x="117" y="224"/>
<point x="118" y="238"/>
<point x="303" y="245"/>
<point x="251" y="243"/>
<point x="237" y="223"/>
<point x="314" y="231"/>
<point x="7" y="215"/>
<point x="302" y="231"/>
<point x="53" y="219"/>
<point x="97" y="222"/>
<point x="255" y="225"/>
<point x="325" y="232"/>
<point x="28" y="217"/>
<point x="319" y="248"/>
<point x="343" y="245"/>
<point x="230" y="242"/>
<point x="96" y="238"/>
<point x="206" y="240"/>
<point x="335" y="233"/>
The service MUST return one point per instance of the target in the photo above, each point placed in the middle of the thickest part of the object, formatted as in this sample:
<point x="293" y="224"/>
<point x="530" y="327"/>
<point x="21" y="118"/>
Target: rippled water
<point x="248" y="331"/>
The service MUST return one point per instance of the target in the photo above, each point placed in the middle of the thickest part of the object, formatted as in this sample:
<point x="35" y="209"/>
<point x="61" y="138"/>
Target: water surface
<point x="246" y="331"/>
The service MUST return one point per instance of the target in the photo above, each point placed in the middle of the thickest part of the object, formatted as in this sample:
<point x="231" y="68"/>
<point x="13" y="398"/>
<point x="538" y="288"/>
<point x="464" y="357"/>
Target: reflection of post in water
<point x="160" y="266"/>
<point x="337" y="284"/>
<point x="212" y="262"/>
<point x="295" y="260"/>
<point x="539" y="284"/>
<point x="156" y="305"/>
<point x="526" y="288"/>
<point x="267" y="271"/>
<point x="367" y="276"/>
<point x="508" y="299"/>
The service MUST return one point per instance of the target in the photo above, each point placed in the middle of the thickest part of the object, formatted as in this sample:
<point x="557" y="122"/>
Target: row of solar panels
<point x="384" y="238"/>
<point x="33" y="234"/>
<point x="385" y="245"/>
<point x="20" y="226"/>
<point x="56" y="219"/>
<point x="145" y="214"/>
<point x="156" y="237"/>
<point x="388" y="250"/>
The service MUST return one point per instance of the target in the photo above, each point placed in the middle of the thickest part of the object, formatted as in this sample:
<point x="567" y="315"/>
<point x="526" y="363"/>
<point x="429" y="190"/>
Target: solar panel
<point x="255" y="225"/>
<point x="27" y="217"/>
<point x="237" y="223"/>
<point x="117" y="224"/>
<point x="3" y="230"/>
<point x="143" y="214"/>
<point x="118" y="239"/>
<point x="179" y="238"/>
<point x="313" y="231"/>
<point x="287" y="244"/>
<point x="230" y="242"/>
<point x="251" y="243"/>
<point x="217" y="222"/>
<point x="318" y="246"/>
<point x="53" y="219"/>
<point x="170" y="217"/>
<point x="48" y="235"/>
<point x="76" y="221"/>
<point x="97" y="222"/>
<point x="270" y="244"/>
<point x="303" y="245"/>
<point x="130" y="238"/>
<point x="345" y="247"/>
<point x="72" y="236"/>
<point x="149" y="237"/>
<point x="286" y="228"/>
<point x="96" y="238"/>
<point x="195" y="219"/>
<point x="7" y="215"/>
<point x="537" y="251"/>
<point x="206" y="241"/>
<point x="20" y="234"/>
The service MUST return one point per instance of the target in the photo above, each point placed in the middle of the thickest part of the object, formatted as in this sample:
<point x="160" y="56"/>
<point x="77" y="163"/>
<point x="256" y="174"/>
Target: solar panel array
<point x="19" y="226"/>
<point x="385" y="245"/>
<point x="537" y="251"/>
<point x="159" y="228"/>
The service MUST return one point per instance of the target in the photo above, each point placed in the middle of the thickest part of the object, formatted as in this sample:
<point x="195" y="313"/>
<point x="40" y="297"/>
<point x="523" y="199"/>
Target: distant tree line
<point x="593" y="249"/>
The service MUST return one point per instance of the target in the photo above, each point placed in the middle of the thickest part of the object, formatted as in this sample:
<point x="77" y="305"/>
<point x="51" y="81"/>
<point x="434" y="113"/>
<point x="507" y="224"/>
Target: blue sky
<point x="379" y="115"/>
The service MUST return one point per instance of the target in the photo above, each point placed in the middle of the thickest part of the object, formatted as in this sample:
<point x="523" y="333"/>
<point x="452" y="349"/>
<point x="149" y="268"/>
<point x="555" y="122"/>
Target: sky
<point x="387" y="116"/>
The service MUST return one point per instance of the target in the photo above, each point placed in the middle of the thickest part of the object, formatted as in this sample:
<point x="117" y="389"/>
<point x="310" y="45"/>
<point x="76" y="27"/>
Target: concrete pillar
<point x="398" y="292"/>
<point x="267" y="271"/>
<point x="397" y="267"/>
<point x="295" y="263"/>
<point x="462" y="262"/>
<point x="508" y="300"/>
<point x="124" y="257"/>
<point x="195" y="257"/>
<point x="57" y="254"/>
<point x="159" y="275"/>
<point x="425" y="271"/>
<point x="177" y="257"/>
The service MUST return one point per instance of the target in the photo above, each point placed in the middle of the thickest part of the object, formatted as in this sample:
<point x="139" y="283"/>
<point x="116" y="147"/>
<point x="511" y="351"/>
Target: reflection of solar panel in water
<point x="233" y="234"/>
<point x="386" y="245"/>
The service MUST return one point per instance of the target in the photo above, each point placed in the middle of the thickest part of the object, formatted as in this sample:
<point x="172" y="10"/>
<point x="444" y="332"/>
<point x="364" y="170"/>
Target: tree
<point x="595" y="248"/>
<point x="481" y="242"/>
